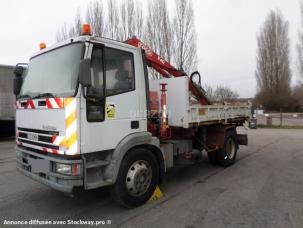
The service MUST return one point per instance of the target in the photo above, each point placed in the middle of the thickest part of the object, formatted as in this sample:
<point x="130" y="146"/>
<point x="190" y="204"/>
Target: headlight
<point x="63" y="169"/>
<point x="68" y="169"/>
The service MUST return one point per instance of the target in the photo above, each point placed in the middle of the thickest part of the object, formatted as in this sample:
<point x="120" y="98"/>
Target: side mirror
<point x="84" y="73"/>
<point x="17" y="85"/>
<point x="18" y="71"/>
<point x="18" y="80"/>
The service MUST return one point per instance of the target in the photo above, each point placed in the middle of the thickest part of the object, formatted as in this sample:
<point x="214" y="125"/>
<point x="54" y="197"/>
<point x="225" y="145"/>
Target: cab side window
<point x="95" y="105"/>
<point x="120" y="75"/>
<point x="97" y="88"/>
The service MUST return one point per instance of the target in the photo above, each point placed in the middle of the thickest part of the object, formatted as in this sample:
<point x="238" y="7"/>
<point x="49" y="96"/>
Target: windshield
<point x="53" y="73"/>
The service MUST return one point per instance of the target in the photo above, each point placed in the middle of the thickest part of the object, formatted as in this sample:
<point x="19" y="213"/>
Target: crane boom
<point x="166" y="69"/>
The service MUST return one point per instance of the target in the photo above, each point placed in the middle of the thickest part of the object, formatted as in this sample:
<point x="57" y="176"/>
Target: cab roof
<point x="93" y="39"/>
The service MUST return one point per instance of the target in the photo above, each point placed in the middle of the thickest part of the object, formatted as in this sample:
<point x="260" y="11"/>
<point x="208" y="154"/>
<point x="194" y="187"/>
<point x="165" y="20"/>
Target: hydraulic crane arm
<point x="166" y="69"/>
<point x="155" y="61"/>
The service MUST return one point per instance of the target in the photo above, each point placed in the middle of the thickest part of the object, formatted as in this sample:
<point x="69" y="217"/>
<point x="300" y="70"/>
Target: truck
<point x="88" y="115"/>
<point x="7" y="101"/>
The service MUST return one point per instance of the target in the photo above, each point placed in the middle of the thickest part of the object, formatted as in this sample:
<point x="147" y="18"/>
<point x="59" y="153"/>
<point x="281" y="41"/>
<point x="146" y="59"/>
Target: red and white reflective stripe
<point x="50" y="103"/>
<point x="45" y="149"/>
<point x="30" y="104"/>
<point x="52" y="151"/>
<point x="53" y="103"/>
<point x="17" y="105"/>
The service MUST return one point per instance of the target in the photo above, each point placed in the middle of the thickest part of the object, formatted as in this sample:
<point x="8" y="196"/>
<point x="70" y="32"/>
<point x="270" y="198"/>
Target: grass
<point x="279" y="127"/>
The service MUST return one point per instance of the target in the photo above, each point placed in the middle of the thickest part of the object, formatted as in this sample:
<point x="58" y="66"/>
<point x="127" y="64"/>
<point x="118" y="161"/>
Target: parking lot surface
<point x="262" y="189"/>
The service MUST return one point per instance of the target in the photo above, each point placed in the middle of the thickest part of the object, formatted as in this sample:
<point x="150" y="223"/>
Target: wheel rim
<point x="138" y="178"/>
<point x="230" y="148"/>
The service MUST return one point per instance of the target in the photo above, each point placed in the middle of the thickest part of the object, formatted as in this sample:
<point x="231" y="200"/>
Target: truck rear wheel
<point x="212" y="157"/>
<point x="137" y="178"/>
<point x="228" y="154"/>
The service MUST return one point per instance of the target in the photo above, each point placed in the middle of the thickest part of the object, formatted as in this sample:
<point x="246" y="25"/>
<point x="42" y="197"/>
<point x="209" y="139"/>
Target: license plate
<point x="39" y="165"/>
<point x="33" y="137"/>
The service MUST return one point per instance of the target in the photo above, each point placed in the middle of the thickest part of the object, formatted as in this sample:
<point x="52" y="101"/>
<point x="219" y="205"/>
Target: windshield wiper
<point x="24" y="96"/>
<point x="44" y="95"/>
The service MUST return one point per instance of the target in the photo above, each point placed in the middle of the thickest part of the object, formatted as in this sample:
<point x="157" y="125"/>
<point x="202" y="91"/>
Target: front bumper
<point x="41" y="168"/>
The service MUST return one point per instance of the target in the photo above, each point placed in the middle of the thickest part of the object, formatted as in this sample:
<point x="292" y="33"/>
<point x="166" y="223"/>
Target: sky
<point x="226" y="34"/>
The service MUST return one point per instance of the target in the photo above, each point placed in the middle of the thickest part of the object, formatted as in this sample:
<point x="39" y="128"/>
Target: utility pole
<point x="280" y="117"/>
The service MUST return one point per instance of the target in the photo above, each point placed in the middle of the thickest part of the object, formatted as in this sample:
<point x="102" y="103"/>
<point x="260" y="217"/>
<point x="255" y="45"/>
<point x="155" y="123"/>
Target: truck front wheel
<point x="227" y="155"/>
<point x="137" y="178"/>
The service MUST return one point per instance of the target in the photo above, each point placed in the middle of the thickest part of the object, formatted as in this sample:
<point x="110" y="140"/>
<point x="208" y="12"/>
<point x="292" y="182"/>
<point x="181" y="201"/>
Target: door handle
<point x="134" y="124"/>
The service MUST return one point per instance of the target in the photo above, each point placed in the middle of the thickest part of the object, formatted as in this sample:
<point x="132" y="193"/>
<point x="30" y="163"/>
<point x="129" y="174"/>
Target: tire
<point x="228" y="154"/>
<point x="137" y="178"/>
<point x="212" y="157"/>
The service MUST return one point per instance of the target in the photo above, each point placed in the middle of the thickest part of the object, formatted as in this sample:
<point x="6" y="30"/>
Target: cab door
<point x="108" y="111"/>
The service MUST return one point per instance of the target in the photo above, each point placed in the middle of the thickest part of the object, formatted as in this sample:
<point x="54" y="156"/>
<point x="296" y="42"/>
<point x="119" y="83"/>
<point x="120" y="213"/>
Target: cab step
<point x="97" y="163"/>
<point x="97" y="184"/>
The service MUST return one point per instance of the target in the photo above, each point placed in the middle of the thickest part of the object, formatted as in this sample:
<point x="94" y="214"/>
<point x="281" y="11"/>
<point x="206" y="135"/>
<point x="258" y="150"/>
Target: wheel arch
<point x="130" y="142"/>
<point x="216" y="134"/>
<point x="233" y="130"/>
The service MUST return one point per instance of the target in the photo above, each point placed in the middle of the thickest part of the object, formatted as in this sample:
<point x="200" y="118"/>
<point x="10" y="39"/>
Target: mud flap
<point x="242" y="139"/>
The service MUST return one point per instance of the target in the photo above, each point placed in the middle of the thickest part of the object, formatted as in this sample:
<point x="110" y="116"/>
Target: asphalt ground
<point x="264" y="188"/>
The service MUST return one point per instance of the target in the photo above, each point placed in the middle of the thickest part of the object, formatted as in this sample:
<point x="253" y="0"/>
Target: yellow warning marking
<point x="156" y="195"/>
<point x="70" y="119"/>
<point x="110" y="111"/>
<point x="202" y="111"/>
<point x="68" y="100"/>
<point x="63" y="143"/>
<point x="69" y="142"/>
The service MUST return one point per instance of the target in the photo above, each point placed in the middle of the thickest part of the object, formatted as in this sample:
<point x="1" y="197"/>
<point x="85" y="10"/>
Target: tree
<point x="297" y="95"/>
<point x="139" y="20"/>
<point x="298" y="89"/>
<point x="77" y="29"/>
<point x="185" y="36"/>
<point x="151" y="26"/>
<point x="62" y="33"/>
<point x="225" y="94"/>
<point x="273" y="72"/>
<point x="174" y="40"/>
<point x="126" y="17"/>
<point x="300" y="46"/>
<point x="166" y="37"/>
<point x="113" y="21"/>
<point x="221" y="94"/>
<point x="210" y="92"/>
<point x="71" y="31"/>
<point x="132" y="20"/>
<point x="158" y="33"/>
<point x="95" y="17"/>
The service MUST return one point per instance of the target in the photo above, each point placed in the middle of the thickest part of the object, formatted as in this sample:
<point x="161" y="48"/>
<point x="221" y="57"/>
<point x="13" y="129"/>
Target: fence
<point x="281" y="119"/>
